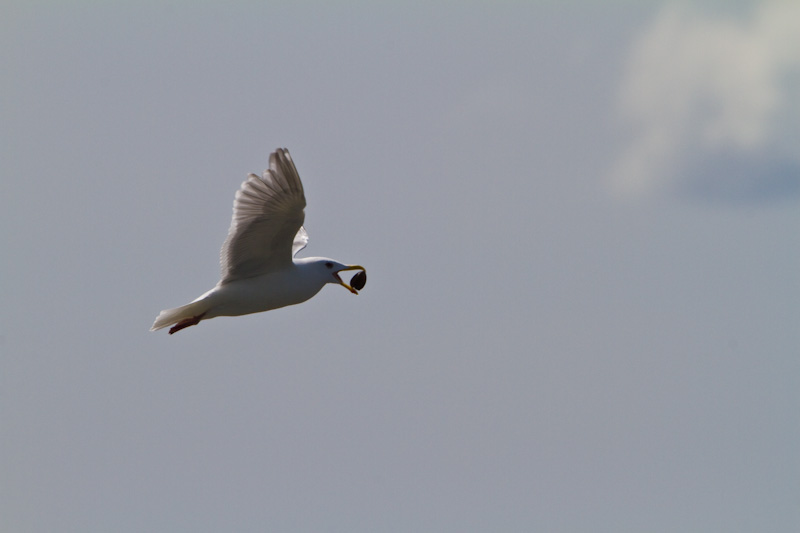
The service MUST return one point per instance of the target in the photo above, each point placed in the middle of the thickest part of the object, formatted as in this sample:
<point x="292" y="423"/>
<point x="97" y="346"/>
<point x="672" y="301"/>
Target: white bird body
<point x="274" y="290"/>
<point x="259" y="272"/>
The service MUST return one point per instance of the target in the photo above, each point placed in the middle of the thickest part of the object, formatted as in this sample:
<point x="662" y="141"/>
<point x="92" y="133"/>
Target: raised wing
<point x="267" y="221"/>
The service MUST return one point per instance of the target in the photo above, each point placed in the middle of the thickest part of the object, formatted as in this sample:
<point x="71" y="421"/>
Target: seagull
<point x="259" y="269"/>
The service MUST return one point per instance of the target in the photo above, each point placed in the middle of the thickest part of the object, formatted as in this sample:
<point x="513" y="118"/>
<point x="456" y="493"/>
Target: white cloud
<point x="702" y="91"/>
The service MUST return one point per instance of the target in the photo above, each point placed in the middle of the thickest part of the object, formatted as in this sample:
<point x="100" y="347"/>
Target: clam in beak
<point x="345" y="285"/>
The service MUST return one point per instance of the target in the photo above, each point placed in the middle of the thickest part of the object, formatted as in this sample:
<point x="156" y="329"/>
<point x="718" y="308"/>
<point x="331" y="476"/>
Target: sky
<point x="580" y="224"/>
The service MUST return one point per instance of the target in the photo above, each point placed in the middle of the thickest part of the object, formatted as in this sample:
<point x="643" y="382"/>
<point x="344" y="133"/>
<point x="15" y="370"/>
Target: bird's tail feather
<point x="168" y="317"/>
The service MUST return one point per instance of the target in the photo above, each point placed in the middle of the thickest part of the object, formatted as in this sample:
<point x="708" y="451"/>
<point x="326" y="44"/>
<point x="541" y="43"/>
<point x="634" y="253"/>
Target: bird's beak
<point x="342" y="283"/>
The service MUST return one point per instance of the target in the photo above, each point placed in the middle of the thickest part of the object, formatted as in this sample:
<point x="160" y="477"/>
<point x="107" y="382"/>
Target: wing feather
<point x="267" y="221"/>
<point x="300" y="241"/>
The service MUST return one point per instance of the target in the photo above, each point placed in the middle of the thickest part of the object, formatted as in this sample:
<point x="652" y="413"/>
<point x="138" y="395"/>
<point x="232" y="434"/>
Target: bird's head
<point x="334" y="268"/>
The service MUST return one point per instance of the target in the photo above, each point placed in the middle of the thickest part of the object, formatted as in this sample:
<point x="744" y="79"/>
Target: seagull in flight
<point x="259" y="269"/>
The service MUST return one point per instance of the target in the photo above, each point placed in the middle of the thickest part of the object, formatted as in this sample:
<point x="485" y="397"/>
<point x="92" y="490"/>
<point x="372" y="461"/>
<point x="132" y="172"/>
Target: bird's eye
<point x="329" y="264"/>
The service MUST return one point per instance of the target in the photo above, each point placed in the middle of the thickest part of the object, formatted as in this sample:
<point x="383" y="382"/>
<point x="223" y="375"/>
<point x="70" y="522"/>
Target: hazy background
<point x="581" y="229"/>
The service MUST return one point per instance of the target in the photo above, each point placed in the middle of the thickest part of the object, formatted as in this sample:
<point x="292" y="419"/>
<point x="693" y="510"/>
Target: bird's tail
<point x="168" y="317"/>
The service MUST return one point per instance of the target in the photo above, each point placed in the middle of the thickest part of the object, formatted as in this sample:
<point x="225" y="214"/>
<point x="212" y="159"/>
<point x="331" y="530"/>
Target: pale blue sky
<point x="580" y="225"/>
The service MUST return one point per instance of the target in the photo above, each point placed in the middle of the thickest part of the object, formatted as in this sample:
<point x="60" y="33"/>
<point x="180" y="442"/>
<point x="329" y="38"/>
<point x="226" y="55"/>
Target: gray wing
<point x="267" y="218"/>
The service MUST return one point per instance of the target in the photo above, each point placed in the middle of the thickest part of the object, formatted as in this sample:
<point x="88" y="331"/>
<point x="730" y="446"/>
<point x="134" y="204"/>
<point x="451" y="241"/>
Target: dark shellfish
<point x="359" y="280"/>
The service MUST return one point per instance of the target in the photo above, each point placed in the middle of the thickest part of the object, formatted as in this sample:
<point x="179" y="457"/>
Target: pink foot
<point x="186" y="322"/>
